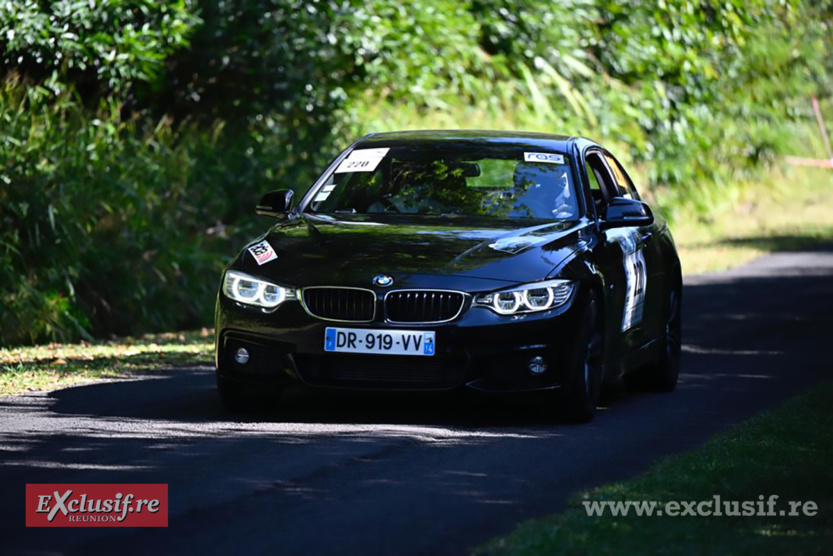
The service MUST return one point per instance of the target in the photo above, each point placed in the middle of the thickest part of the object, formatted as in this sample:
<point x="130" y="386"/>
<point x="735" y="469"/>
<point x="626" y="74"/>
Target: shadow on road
<point x="190" y="396"/>
<point x="404" y="474"/>
<point x="805" y="243"/>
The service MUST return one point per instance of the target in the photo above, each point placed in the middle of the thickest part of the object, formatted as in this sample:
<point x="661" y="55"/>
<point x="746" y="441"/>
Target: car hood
<point x="421" y="251"/>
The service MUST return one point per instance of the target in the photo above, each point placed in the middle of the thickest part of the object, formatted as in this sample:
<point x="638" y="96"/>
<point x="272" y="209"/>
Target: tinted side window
<point x="594" y="182"/>
<point x="623" y="182"/>
<point x="600" y="177"/>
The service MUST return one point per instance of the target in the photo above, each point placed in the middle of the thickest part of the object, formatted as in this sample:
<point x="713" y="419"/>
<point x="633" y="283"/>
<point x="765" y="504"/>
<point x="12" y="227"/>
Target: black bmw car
<point x="440" y="260"/>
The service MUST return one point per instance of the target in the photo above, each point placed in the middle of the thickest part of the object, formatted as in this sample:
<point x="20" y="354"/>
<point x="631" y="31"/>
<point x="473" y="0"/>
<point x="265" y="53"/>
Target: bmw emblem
<point x="383" y="280"/>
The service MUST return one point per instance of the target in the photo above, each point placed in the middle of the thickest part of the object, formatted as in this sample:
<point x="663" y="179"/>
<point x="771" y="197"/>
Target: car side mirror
<point x="275" y="203"/>
<point x="622" y="212"/>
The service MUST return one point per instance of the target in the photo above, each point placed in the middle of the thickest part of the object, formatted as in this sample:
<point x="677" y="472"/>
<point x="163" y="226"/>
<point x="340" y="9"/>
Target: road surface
<point x="403" y="475"/>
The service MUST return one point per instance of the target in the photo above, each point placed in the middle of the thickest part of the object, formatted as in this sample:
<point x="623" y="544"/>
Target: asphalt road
<point x="403" y="475"/>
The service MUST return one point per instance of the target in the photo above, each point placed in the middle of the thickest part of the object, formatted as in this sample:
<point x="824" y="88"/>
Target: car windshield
<point x="443" y="180"/>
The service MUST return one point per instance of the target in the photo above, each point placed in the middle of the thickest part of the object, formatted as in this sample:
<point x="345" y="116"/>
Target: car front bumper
<point x="479" y="350"/>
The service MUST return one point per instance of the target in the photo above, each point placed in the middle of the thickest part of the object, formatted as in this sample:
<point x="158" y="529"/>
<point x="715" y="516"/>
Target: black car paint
<point x="455" y="253"/>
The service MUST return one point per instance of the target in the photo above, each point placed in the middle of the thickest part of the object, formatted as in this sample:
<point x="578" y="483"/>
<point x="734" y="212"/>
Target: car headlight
<point x="254" y="291"/>
<point x="529" y="298"/>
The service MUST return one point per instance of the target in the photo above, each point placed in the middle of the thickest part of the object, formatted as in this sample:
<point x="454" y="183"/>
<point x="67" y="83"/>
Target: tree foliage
<point x="98" y="46"/>
<point x="135" y="135"/>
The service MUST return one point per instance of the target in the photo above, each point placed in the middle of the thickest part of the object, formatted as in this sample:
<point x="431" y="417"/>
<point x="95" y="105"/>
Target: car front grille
<point x="340" y="304"/>
<point x="423" y="306"/>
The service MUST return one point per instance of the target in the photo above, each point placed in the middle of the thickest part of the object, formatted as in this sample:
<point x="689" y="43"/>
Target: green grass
<point x="52" y="366"/>
<point x="786" y="451"/>
<point x="790" y="210"/>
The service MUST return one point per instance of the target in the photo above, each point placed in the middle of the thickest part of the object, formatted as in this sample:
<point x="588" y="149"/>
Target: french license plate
<point x="387" y="342"/>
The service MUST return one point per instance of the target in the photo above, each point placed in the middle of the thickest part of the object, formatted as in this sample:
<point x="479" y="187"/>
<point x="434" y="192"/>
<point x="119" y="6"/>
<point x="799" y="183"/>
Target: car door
<point x="649" y="243"/>
<point x="625" y="249"/>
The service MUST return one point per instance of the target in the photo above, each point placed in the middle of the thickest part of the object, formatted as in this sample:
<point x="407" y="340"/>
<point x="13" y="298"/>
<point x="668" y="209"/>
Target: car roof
<point x="518" y="138"/>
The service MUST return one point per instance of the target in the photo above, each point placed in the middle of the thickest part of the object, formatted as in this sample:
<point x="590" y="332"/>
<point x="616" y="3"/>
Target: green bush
<point x="136" y="135"/>
<point x="100" y="46"/>
<point x="104" y="223"/>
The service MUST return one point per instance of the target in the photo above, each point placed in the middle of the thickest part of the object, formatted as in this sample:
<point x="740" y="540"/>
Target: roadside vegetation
<point x="51" y="366"/>
<point x="138" y="135"/>
<point x="135" y="137"/>
<point x="785" y="451"/>
<point x="788" y="210"/>
<point x="793" y="210"/>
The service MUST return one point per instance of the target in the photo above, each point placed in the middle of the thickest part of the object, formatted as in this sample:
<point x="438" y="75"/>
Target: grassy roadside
<point x="786" y="451"/>
<point x="792" y="209"/>
<point x="58" y="365"/>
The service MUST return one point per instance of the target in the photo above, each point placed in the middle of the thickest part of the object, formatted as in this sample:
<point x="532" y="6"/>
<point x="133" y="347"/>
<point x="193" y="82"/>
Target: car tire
<point x="238" y="398"/>
<point x="580" y="392"/>
<point x="663" y="375"/>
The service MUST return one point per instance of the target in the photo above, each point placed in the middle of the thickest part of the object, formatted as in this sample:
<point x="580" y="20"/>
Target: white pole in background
<point x="823" y="129"/>
<point x="817" y="162"/>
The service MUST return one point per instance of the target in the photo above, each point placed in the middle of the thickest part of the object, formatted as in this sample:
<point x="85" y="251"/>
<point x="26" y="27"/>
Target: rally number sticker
<point x="362" y="160"/>
<point x="366" y="165"/>
<point x="263" y="252"/>
<point x="636" y="277"/>
<point x="635" y="296"/>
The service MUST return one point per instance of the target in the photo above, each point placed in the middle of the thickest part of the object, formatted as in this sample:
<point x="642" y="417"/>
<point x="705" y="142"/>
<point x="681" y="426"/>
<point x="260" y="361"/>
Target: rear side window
<point x="623" y="182"/>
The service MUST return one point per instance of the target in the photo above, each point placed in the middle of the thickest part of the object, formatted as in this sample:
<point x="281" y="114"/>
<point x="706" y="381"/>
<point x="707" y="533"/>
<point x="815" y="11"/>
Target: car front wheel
<point x="666" y="371"/>
<point x="579" y="394"/>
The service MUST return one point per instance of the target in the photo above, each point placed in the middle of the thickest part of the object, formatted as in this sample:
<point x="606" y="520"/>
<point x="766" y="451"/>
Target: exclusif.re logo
<point x="97" y="505"/>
